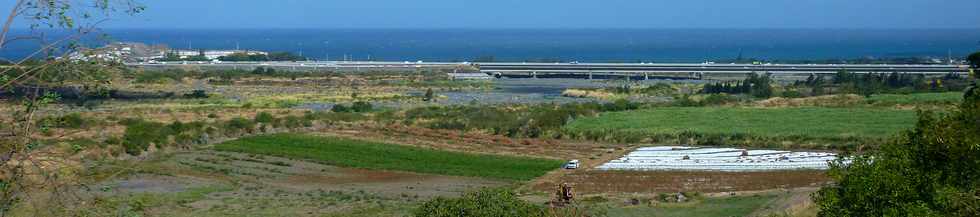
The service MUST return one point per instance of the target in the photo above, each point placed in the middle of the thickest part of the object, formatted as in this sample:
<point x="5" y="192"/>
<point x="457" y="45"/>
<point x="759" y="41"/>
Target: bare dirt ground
<point x="595" y="181"/>
<point x="794" y="202"/>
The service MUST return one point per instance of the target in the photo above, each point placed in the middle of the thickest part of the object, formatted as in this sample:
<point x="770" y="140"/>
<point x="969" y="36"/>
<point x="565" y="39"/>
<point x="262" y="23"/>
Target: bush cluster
<point x="356" y="107"/>
<point x="756" y="85"/>
<point x="532" y="121"/>
<point x="69" y="121"/>
<point x="485" y="202"/>
<point x="141" y="134"/>
<point x="881" y="83"/>
<point x="197" y="94"/>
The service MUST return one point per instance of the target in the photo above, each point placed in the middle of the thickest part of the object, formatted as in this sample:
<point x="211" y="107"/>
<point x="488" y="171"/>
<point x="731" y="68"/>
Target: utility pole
<point x="949" y="56"/>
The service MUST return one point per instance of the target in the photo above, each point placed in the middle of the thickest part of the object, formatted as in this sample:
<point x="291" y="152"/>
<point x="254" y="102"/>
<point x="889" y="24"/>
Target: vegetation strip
<point x="371" y="155"/>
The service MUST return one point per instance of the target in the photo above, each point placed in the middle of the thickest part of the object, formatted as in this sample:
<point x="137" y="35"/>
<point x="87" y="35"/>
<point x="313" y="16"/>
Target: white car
<point x="571" y="165"/>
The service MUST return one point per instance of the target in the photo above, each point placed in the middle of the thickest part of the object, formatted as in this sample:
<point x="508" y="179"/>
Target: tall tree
<point x="974" y="60"/>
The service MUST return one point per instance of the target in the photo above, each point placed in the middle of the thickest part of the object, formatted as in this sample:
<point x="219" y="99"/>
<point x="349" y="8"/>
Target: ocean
<point x="585" y="45"/>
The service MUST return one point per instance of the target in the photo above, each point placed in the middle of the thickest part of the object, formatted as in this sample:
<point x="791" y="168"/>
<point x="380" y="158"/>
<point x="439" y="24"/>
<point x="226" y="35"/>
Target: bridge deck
<point x="524" y="68"/>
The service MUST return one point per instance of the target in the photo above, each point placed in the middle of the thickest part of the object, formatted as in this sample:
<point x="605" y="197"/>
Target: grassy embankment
<point x="371" y="155"/>
<point x="823" y="127"/>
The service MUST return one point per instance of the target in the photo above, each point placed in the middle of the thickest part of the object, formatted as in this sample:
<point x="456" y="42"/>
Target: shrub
<point x="339" y="108"/>
<point x="620" y="105"/>
<point x="686" y="101"/>
<point x="158" y="77"/>
<point x="264" y="117"/>
<point x="197" y="94"/>
<point x="239" y="124"/>
<point x="485" y="202"/>
<point x="70" y="121"/>
<point x="140" y="134"/>
<point x="177" y="127"/>
<point x="293" y="122"/>
<point x="361" y="106"/>
<point x="792" y="94"/>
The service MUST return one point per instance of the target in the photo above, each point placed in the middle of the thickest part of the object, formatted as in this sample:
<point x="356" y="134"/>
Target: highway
<point x="302" y="65"/>
<point x="583" y="70"/>
<point x="540" y="69"/>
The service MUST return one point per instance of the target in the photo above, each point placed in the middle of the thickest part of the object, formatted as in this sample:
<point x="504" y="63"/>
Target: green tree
<point x="428" y="95"/>
<point x="974" y="60"/>
<point x="761" y="86"/>
<point x="932" y="170"/>
<point x="818" y="91"/>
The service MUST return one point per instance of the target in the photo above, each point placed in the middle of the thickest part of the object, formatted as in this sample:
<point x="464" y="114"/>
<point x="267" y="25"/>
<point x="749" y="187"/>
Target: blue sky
<point x="552" y="14"/>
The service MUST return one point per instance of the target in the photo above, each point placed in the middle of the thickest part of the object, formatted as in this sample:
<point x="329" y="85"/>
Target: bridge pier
<point x="646" y="76"/>
<point x="534" y="74"/>
<point x="590" y="75"/>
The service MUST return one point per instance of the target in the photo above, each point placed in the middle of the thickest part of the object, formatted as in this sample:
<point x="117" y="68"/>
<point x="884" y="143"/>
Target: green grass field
<point x="818" y="123"/>
<point x="945" y="98"/>
<point x="371" y="155"/>
<point x="720" y="207"/>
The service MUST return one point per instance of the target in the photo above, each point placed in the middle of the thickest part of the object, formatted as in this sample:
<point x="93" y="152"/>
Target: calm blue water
<point x="595" y="45"/>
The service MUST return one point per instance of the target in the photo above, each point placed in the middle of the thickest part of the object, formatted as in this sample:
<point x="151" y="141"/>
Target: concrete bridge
<point x="698" y="71"/>
<point x="588" y="70"/>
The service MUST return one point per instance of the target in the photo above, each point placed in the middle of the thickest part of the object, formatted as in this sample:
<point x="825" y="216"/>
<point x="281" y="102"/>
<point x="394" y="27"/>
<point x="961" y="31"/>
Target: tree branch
<point x="10" y="22"/>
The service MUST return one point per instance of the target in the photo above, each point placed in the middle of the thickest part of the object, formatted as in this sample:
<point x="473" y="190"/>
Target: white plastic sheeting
<point x="718" y="159"/>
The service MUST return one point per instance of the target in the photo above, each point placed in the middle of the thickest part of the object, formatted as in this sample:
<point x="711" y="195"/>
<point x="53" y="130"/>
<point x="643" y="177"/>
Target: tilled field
<point x="210" y="183"/>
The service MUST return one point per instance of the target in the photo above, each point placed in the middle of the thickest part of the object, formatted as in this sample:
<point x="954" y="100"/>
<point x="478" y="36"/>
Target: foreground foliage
<point x="933" y="170"/>
<point x="372" y="155"/>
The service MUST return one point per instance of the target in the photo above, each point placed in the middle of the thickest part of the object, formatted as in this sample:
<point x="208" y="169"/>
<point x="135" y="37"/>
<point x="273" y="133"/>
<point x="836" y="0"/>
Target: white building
<point x="215" y="54"/>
